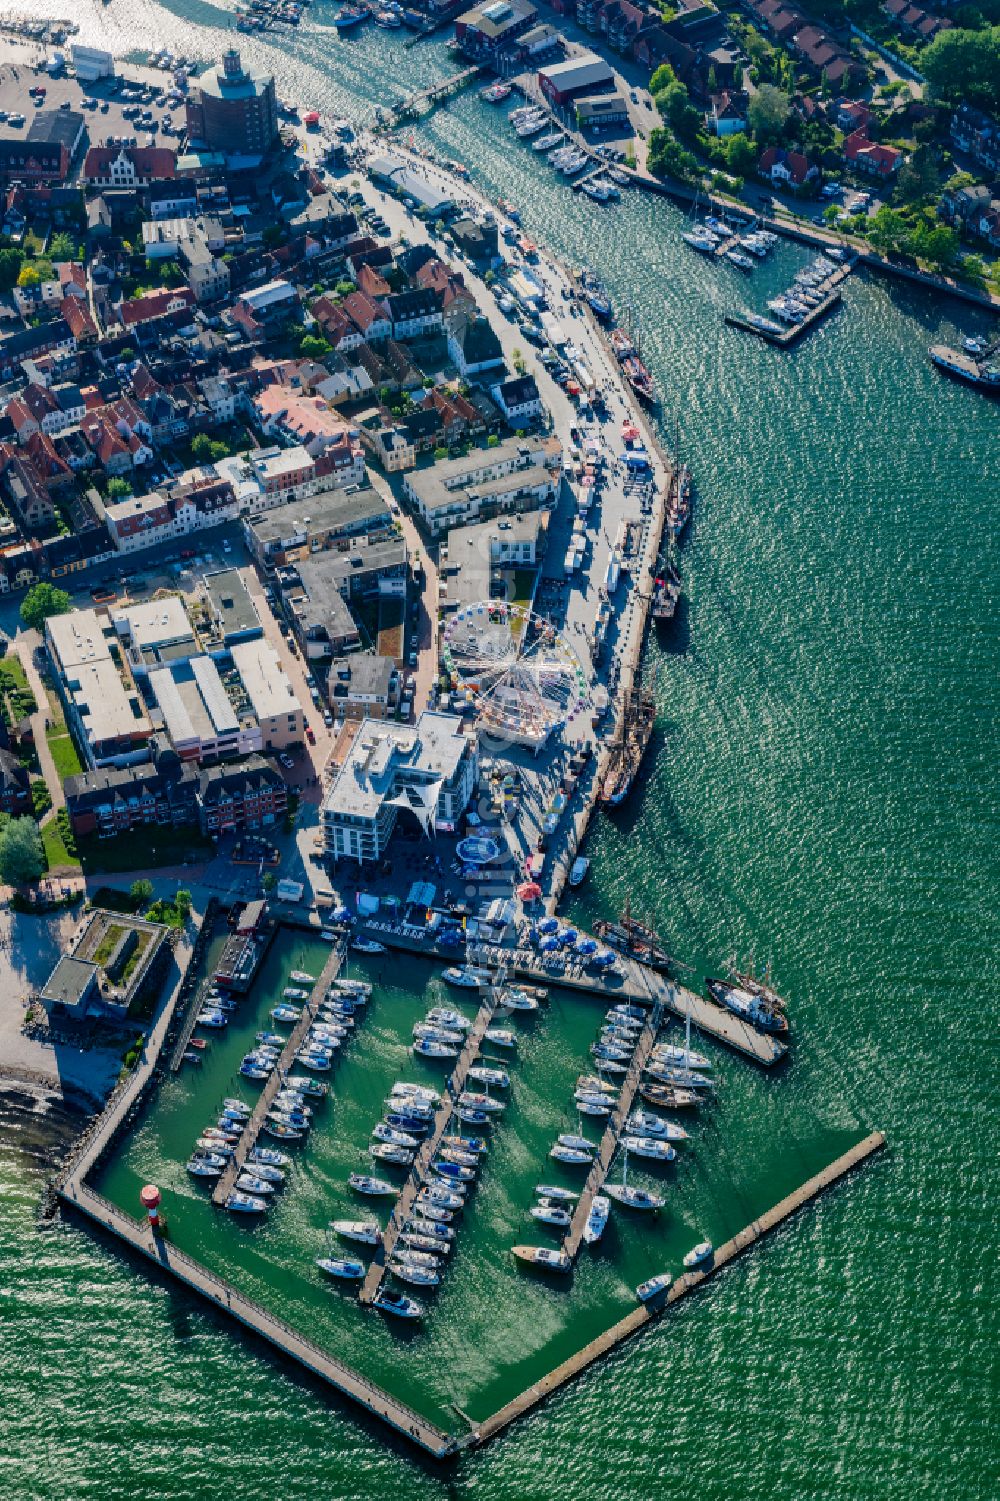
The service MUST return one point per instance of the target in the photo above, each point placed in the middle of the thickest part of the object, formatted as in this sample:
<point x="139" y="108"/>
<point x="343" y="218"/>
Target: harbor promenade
<point x="612" y="1135"/>
<point x="276" y="1079"/>
<point x="425" y="1156"/>
<point x="613" y="1338"/>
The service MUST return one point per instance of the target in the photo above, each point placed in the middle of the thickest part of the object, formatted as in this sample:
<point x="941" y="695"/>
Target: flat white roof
<point x="155" y="622"/>
<point x="78" y="637"/>
<point x="194" y="707"/>
<point x="263" y="677"/>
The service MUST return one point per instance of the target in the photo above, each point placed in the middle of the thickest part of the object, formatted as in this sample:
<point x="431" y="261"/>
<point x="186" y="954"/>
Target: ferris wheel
<point x="519" y="674"/>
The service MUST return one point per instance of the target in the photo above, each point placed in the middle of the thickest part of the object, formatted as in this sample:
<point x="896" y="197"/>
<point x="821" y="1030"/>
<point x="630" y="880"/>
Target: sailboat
<point x="631" y="1197"/>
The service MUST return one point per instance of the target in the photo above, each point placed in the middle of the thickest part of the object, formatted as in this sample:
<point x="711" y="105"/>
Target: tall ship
<point x="626" y="757"/>
<point x="666" y="592"/>
<point x="634" y="939"/>
<point x="638" y="377"/>
<point x="978" y="373"/>
<point x="749" y="981"/>
<point x="679" y="505"/>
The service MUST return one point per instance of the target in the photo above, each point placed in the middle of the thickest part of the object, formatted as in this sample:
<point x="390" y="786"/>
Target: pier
<point x="275" y="1080"/>
<point x="425" y="1155"/>
<point x="785" y="337"/>
<point x="407" y="108"/>
<point x="642" y="1317"/>
<point x="609" y="1141"/>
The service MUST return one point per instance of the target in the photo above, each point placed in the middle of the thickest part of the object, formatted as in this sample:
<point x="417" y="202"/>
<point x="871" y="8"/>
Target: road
<point x="28" y="643"/>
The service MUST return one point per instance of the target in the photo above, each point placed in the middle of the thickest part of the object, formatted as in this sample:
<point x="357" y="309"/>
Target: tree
<point x="182" y="901"/>
<point x="62" y="246"/>
<point x="887" y="230"/>
<point x="768" y="111"/>
<point x="667" y="157"/>
<point x="22" y="858"/>
<point x="314" y="348"/>
<point x="141" y="892"/>
<point x="118" y="487"/>
<point x="740" y="154"/>
<point x="28" y="277"/>
<point x="11" y="261"/>
<point x="675" y="107"/>
<point x="209" y="450"/>
<point x="663" y="75"/>
<point x="41" y="601"/>
<point x="918" y="177"/>
<point x="964" y="65"/>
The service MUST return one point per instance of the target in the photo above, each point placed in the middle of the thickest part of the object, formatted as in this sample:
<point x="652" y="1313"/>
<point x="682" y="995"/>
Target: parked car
<point x="286" y="761"/>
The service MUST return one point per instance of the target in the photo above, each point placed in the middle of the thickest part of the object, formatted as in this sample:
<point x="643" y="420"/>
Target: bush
<point x="41" y="797"/>
<point x="141" y="891"/>
<point x="41" y="601"/>
<point x="66" y="831"/>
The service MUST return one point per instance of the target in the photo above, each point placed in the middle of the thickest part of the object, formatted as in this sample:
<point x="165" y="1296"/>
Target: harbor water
<point x="820" y="791"/>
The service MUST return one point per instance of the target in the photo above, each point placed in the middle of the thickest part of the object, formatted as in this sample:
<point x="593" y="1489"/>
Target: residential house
<point x="472" y="344"/>
<point x="363" y="686"/>
<point x="868" y="156"/>
<point x="15" y="785"/>
<point x="370" y="318"/>
<point x="786" y="168"/>
<point x="128" y="168"/>
<point x="727" y="112"/>
<point x="338" y="328"/>
<point x="518" y="399"/>
<point x="976" y="134"/>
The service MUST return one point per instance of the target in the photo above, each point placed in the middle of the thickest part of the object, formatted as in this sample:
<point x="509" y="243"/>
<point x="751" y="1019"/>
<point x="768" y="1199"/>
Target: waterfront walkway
<point x="612" y="1134"/>
<point x="427" y="1152"/>
<point x="276" y="1079"/>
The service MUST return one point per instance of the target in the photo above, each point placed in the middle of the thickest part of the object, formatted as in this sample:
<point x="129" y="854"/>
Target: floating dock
<point x="783" y="338"/>
<point x="640" y="1318"/>
<point x="275" y="1080"/>
<point x="609" y="1141"/>
<point x="425" y="1156"/>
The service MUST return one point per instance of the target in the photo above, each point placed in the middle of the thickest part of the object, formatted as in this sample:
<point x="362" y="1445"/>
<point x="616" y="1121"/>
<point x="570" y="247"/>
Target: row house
<point x="251" y="795"/>
<point x="449" y="285"/>
<point x="915" y="22"/>
<point x="822" y="55"/>
<point x="472" y="345"/>
<point x="127" y="168"/>
<point x="338" y="328"/>
<point x="45" y="409"/>
<point x="976" y="134"/>
<point x="24" y="493"/>
<point x="370" y="318"/>
<point x="196" y="500"/>
<point x="370" y="280"/>
<point x="55" y="473"/>
<point x="51" y="337"/>
<point x="386" y="440"/>
<point x="137" y="312"/>
<point x="80" y="322"/>
<point x="120" y="436"/>
<point x="779" y="20"/>
<point x="108" y="801"/>
<point x="412" y="315"/>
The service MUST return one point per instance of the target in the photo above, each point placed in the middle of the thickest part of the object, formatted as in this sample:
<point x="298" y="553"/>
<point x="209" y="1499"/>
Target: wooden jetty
<point x="784" y="338"/>
<point x="641" y="1318"/>
<point x="425" y="98"/>
<point x="275" y="1080"/>
<point x="609" y="1141"/>
<point x="422" y="1161"/>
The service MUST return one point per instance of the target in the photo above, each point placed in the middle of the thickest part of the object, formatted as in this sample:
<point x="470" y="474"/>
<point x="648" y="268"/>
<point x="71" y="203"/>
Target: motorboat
<point x="443" y="1016"/>
<point x="576" y="1143"/>
<point x="473" y="1100"/>
<point x="631" y="1013"/>
<point x="747" y="1006"/>
<point x="219" y="1133"/>
<point x="653" y="1287"/>
<point x="465" y="977"/>
<point x="368" y="946"/>
<point x="320" y="1062"/>
<point x="237" y="1107"/>
<point x="257" y="1072"/>
<point x="440" y="1197"/>
<point x="341" y="1266"/>
<point x="268" y="1157"/>
<point x="543" y="1256"/>
<point x="497" y="1077"/>
<point x="429" y="1032"/>
<point x="557" y="1195"/>
<point x="271" y="1039"/>
<point x="551" y="1214"/>
<point x="421" y="1092"/>
<point x="650" y="1148"/>
<point x="426" y="1047"/>
<point x="253" y="1183"/>
<point x="312" y="1087"/>
<point x="422" y="1224"/>
<point x="213" y="1146"/>
<point x="456" y="1171"/>
<point x="398" y="1304"/>
<point x="501" y="1037"/>
<point x="594" y="1084"/>
<point x="612" y="1066"/>
<point x="361" y="989"/>
<point x="286" y="1013"/>
<point x="384" y="1151"/>
<point x="363" y="1232"/>
<point x="701" y="240"/>
<point x="241" y="1203"/>
<point x="702" y="1252"/>
<point x="281" y="1130"/>
<point x="609" y="1053"/>
<point x="294" y="993"/>
<point x="301" y="978"/>
<point x="417" y="1276"/>
<point x="738" y="259"/>
<point x="470" y="1117"/>
<point x="459" y="1158"/>
<point x="215" y="1019"/>
<point x="517" y="1000"/>
<point x="413" y="1256"/>
<point x="597" y="1219"/>
<point x="205" y="1167"/>
<point x="395" y="1138"/>
<point x="287" y="1117"/>
<point x="635" y="1198"/>
<point x="290" y="1099"/>
<point x="642" y="1123"/>
<point x="374" y="1188"/>
<point x="570" y="1156"/>
<point x="409" y="1125"/>
<point x="474" y="1144"/>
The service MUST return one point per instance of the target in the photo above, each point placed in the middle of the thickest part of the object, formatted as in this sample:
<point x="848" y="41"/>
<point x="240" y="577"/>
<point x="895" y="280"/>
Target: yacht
<point x="545" y="1257"/>
<point x="212" y="1146"/>
<point x="635" y="1198"/>
<point x="570" y="1156"/>
<point x="548" y="142"/>
<point x="576" y="1143"/>
<point x="319" y="1062"/>
<point x="666" y="1052"/>
<point x="597" y="1219"/>
<point x="516" y="1000"/>
<point x="458" y="1157"/>
<point x="471" y="1100"/>
<point x="642" y="1123"/>
<point x="465" y="977"/>
<point x="433" y="1212"/>
<point x="700" y="240"/>
<point x="653" y="1287"/>
<point x="455" y="1172"/>
<point x="209" y="1166"/>
<point x="474" y="1144"/>
<point x="594" y="1106"/>
<point x="286" y="1013"/>
<point x="408" y="1125"/>
<point x="426" y="1047"/>
<point x="594" y="1084"/>
<point x="578" y="871"/>
<point x="281" y="1130"/>
<point x="363" y="1232"/>
<point x="395" y="1138"/>
<point x="422" y="1092"/>
<point x="341" y="1266"/>
<point x="429" y="1244"/>
<point x="398" y="1304"/>
<point x="294" y="993"/>
<point x="375" y="1188"/>
<point x="668" y="1098"/>
<point x="737" y="258"/>
<point x="428" y="1032"/>
<point x="418" y="1276"/>
<point x="313" y="1087"/>
<point x="384" y="1151"/>
<point x="359" y="989"/>
<point x="497" y="1077"/>
<point x="270" y="1039"/>
<point x="253" y="1183"/>
<point x="241" y="1203"/>
<point x="267" y="1172"/>
<point x="631" y="1013"/>
<point x="414" y="1256"/>
<point x="440" y="1197"/>
<point x="472" y="1117"/>
<point x="702" y="1252"/>
<point x="650" y="1148"/>
<point x="423" y="1224"/>
<point x="551" y="1214"/>
<point x="501" y="1037"/>
<point x="444" y="1016"/>
<point x="609" y="1052"/>
<point x="679" y="1078"/>
<point x="747" y="1006"/>
<point x="300" y="976"/>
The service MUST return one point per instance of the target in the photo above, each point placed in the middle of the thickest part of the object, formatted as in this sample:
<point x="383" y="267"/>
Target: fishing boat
<point x="341" y="1266"/>
<point x="595" y="295"/>
<point x="417" y="1276"/>
<point x="253" y="1183"/>
<point x="702" y="1252"/>
<point x="268" y="1156"/>
<point x="551" y="1214"/>
<point x="394" y="1138"/>
<point x="650" y="1148"/>
<point x="362" y="1232"/>
<point x="501" y="1037"/>
<point x="241" y="1203"/>
<point x="301" y="978"/>
<point x="653" y="1287"/>
<point x="465" y="977"/>
<point x="398" y="1304"/>
<point x="543" y="1256"/>
<point x="637" y="730"/>
<point x="666" y="592"/>
<point x="368" y="946"/>
<point x="747" y="1006"/>
<point x="374" y="1188"/>
<point x="597" y="1219"/>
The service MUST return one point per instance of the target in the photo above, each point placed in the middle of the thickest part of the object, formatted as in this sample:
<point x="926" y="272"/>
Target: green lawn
<point x="56" y="853"/>
<point x="64" y="754"/>
<point x="143" y="849"/>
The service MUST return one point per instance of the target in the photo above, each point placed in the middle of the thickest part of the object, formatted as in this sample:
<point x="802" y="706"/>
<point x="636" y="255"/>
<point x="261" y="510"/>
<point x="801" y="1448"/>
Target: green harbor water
<point x="822" y="792"/>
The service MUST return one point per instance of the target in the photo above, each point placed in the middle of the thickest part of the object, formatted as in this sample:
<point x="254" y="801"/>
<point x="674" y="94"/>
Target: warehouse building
<point x="587" y="74"/>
